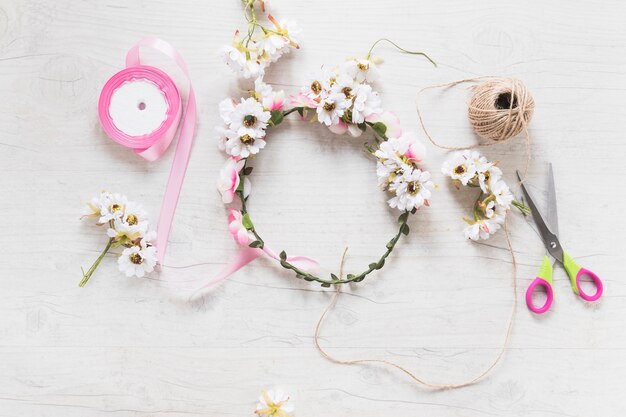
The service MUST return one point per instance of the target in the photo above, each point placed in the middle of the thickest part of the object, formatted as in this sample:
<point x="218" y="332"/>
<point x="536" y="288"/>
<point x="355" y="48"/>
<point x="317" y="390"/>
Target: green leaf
<point x="373" y="266"/>
<point x="405" y="229"/>
<point x="380" y="129"/>
<point x="283" y="256"/>
<point x="351" y="276"/>
<point x="300" y="276"/>
<point x="256" y="244"/>
<point x="247" y="222"/>
<point x="380" y="264"/>
<point x="403" y="217"/>
<point x="276" y="118"/>
<point x="309" y="278"/>
<point x="326" y="284"/>
<point x="247" y="171"/>
<point x="334" y="277"/>
<point x="300" y="111"/>
<point x="391" y="244"/>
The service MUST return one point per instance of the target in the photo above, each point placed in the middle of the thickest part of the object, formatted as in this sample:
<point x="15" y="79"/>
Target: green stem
<point x="369" y="54"/>
<point x="333" y="280"/>
<point x="93" y="268"/>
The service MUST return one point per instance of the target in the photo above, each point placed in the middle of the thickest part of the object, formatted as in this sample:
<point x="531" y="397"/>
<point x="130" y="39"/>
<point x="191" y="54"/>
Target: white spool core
<point x="138" y="107"/>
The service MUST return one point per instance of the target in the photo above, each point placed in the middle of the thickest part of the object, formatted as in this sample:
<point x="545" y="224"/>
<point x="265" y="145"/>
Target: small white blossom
<point x="501" y="190"/>
<point x="274" y="403"/>
<point x="138" y="260"/>
<point x="113" y="209"/>
<point x="460" y="166"/>
<point x="249" y="118"/>
<point x="412" y="189"/>
<point x="332" y="108"/>
<point x="366" y="103"/>
<point x="362" y="70"/>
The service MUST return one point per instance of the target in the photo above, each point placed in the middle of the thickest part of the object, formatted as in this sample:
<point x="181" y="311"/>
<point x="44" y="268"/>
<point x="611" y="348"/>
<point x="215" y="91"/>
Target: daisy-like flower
<point x="460" y="167"/>
<point x="502" y="192"/>
<point x="97" y="204"/>
<point x="274" y="403"/>
<point x="239" y="146"/>
<point x="237" y="229"/>
<point x="264" y="93"/>
<point x="412" y="189"/>
<point x="331" y="108"/>
<point x="249" y="119"/>
<point x="138" y="260"/>
<point x="113" y="209"/>
<point x="227" y="107"/>
<point x="362" y="70"/>
<point x="315" y="86"/>
<point x="229" y="180"/>
<point x="365" y="103"/>
<point x="488" y="173"/>
<point x="236" y="58"/>
<point x="133" y="223"/>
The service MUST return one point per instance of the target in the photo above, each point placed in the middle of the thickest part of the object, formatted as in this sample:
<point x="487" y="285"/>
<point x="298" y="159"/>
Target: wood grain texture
<point x="127" y="348"/>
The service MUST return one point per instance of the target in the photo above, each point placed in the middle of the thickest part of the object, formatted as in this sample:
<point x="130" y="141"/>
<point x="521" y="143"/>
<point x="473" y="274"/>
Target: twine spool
<point x="500" y="108"/>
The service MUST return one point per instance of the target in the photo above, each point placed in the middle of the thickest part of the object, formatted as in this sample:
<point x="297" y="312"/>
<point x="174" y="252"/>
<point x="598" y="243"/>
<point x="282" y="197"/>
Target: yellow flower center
<point x="347" y="91"/>
<point x="413" y="188"/>
<point x="247" y="140"/>
<point x="249" y="120"/>
<point x="363" y="67"/>
<point x="330" y="107"/>
<point x="316" y="87"/>
<point x="132" y="219"/>
<point x="114" y="207"/>
<point x="136" y="258"/>
<point x="460" y="169"/>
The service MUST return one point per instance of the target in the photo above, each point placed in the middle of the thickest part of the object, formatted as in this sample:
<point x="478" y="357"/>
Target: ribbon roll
<point x="140" y="108"/>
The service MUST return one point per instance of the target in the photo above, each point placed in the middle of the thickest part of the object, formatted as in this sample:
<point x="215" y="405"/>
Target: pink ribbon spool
<point x="151" y="146"/>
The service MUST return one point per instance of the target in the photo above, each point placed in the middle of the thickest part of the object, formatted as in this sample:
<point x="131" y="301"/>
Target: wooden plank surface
<point x="137" y="347"/>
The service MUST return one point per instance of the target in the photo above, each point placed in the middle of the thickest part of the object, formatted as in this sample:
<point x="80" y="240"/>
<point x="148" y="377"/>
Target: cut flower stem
<point x="95" y="265"/>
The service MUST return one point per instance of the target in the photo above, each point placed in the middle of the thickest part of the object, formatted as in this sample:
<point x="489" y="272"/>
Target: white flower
<point x="229" y="180"/>
<point x="366" y="102"/>
<point x="332" y="108"/>
<point x="412" y="189"/>
<point x="271" y="100"/>
<point x="316" y="85"/>
<point x="274" y="403"/>
<point x="246" y="67"/>
<point x="391" y="122"/>
<point x="249" y="118"/>
<point x="481" y="229"/>
<point x="133" y="223"/>
<point x="113" y="209"/>
<point x="501" y="190"/>
<point x="486" y="174"/>
<point x="97" y="204"/>
<point x="362" y="70"/>
<point x="239" y="146"/>
<point x="138" y="260"/>
<point x="227" y="107"/>
<point x="460" y="167"/>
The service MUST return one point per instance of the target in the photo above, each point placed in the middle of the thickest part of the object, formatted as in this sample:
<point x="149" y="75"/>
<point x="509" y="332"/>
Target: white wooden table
<point x="136" y="347"/>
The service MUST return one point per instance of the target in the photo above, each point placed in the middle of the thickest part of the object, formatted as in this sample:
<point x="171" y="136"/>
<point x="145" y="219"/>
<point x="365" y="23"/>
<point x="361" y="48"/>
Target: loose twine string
<point x="490" y="122"/>
<point x="413" y="376"/>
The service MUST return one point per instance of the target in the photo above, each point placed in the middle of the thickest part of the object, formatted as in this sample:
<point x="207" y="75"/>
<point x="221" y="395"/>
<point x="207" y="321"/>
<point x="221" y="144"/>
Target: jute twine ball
<point x="500" y="108"/>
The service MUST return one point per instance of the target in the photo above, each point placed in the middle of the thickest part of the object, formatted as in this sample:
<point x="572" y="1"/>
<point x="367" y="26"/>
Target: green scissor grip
<point x="572" y="269"/>
<point x="545" y="272"/>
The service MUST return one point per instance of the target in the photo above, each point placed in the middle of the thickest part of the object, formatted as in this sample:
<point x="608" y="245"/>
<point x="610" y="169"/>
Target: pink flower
<point x="389" y="119"/>
<point x="236" y="227"/>
<point x="415" y="150"/>
<point x="229" y="180"/>
<point x="275" y="101"/>
<point x="302" y="100"/>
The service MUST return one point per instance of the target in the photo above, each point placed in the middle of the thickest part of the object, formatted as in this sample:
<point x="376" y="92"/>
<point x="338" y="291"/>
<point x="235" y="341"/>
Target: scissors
<point x="549" y="233"/>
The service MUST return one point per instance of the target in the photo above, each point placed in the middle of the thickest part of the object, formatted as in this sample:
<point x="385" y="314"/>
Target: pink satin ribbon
<point x="248" y="254"/>
<point x="153" y="145"/>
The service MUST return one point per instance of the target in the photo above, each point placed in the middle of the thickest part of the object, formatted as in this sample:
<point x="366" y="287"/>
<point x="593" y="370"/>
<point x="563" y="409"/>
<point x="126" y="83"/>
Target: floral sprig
<point x="470" y="168"/>
<point x="128" y="226"/>
<point x="343" y="99"/>
<point x="274" y="403"/>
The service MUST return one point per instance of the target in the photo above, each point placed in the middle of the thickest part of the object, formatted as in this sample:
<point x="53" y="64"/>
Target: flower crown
<point x="342" y="99"/>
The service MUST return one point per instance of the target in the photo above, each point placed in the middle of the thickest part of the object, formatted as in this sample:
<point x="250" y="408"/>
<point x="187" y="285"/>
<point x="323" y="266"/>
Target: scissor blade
<point x="549" y="239"/>
<point x="553" y="214"/>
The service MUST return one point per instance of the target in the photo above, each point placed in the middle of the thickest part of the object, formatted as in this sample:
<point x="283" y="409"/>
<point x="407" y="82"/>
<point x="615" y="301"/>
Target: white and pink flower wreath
<point x="342" y="99"/>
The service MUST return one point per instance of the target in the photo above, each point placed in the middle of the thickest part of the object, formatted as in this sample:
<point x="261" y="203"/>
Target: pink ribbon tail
<point x="247" y="255"/>
<point x="183" y="148"/>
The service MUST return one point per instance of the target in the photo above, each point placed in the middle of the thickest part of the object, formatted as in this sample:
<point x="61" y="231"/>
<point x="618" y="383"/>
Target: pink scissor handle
<point x="529" y="296"/>
<point x="596" y="280"/>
